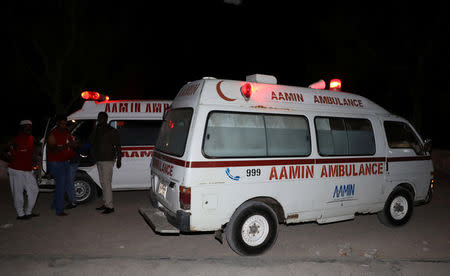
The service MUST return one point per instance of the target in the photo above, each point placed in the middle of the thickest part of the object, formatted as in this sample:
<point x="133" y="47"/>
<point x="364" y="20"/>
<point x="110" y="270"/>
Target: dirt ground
<point x="88" y="242"/>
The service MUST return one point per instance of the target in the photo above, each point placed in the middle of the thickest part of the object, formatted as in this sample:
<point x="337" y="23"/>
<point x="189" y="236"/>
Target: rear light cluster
<point x="185" y="197"/>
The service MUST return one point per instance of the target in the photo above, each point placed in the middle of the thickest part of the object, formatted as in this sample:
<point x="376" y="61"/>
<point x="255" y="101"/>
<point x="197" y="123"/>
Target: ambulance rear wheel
<point x="85" y="189"/>
<point x="398" y="208"/>
<point x="252" y="229"/>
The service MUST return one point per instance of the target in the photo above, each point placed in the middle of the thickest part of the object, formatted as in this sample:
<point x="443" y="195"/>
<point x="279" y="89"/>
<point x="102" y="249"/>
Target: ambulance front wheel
<point x="398" y="208"/>
<point x="252" y="229"/>
<point x="85" y="188"/>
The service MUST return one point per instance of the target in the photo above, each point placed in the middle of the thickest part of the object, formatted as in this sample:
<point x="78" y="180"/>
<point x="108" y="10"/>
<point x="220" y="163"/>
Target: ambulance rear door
<point x="137" y="138"/>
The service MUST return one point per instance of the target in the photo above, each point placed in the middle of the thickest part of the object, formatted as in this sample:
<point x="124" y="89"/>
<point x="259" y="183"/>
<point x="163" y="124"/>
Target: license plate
<point x="162" y="190"/>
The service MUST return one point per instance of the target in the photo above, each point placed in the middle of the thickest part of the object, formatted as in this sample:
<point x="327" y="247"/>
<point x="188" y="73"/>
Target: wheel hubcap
<point x="255" y="230"/>
<point x="82" y="190"/>
<point x="399" y="208"/>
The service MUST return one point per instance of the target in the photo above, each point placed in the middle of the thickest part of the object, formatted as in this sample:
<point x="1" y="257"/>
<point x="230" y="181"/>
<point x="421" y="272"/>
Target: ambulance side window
<point x="400" y="135"/>
<point x="231" y="134"/>
<point x="287" y="135"/>
<point x="137" y="132"/>
<point x="344" y="136"/>
<point x="82" y="130"/>
<point x="235" y="135"/>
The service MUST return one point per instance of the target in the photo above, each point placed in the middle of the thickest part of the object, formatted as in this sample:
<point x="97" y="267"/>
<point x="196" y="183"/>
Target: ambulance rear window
<point x="174" y="131"/>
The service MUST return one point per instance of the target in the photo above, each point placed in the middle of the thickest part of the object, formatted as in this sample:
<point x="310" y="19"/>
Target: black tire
<point x="153" y="199"/>
<point x="261" y="231"/>
<point x="398" y="208"/>
<point x="85" y="189"/>
<point x="429" y="195"/>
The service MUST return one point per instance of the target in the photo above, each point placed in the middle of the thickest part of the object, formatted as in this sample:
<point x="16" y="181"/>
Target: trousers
<point x="23" y="181"/>
<point x="70" y="190"/>
<point x="60" y="171"/>
<point x="105" y="173"/>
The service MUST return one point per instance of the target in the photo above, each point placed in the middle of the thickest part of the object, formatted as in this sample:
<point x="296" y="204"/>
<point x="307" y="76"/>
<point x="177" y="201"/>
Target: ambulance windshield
<point x="174" y="132"/>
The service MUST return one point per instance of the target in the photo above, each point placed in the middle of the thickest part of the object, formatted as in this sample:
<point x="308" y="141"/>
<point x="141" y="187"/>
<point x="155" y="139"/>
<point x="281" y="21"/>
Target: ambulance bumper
<point x="164" y="222"/>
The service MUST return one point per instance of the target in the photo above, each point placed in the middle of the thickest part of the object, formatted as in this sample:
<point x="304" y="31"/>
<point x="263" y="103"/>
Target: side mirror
<point x="427" y="145"/>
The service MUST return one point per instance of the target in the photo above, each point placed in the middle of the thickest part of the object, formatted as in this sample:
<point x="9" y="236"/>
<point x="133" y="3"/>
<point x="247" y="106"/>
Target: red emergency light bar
<point x="247" y="90"/>
<point x="94" y="96"/>
<point x="335" y="85"/>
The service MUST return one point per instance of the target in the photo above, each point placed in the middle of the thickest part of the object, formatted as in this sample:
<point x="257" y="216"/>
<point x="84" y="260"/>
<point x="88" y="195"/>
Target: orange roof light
<point x="335" y="85"/>
<point x="94" y="96"/>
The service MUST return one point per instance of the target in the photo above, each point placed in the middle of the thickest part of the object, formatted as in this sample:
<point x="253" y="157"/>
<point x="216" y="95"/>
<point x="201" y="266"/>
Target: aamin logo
<point x="344" y="191"/>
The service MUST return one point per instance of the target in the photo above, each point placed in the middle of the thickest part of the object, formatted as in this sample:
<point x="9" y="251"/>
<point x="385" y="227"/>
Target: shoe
<point x="23" y="217"/>
<point x="33" y="215"/>
<point x="108" y="210"/>
<point x="62" y="214"/>
<point x="103" y="207"/>
<point x="70" y="206"/>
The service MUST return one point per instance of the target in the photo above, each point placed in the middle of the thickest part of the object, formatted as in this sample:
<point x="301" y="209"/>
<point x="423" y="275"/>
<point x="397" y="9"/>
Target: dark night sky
<point x="396" y="54"/>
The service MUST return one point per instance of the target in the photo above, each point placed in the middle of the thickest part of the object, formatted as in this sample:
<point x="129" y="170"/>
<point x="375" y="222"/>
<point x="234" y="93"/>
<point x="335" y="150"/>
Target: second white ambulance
<point x="243" y="156"/>
<point x="138" y="123"/>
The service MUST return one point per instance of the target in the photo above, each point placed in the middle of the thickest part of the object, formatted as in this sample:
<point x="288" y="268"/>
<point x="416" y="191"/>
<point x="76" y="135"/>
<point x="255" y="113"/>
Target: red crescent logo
<point x="219" y="91"/>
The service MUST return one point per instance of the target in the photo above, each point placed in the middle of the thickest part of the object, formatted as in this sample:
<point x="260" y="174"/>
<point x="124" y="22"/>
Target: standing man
<point x="60" y="146"/>
<point x="20" y="171"/>
<point x="107" y="150"/>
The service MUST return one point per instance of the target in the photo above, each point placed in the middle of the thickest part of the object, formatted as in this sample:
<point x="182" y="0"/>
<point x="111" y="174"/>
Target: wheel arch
<point x="409" y="187"/>
<point x="272" y="203"/>
<point x="82" y="173"/>
<point x="85" y="174"/>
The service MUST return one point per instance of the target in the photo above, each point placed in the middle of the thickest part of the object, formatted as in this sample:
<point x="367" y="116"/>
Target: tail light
<point x="185" y="197"/>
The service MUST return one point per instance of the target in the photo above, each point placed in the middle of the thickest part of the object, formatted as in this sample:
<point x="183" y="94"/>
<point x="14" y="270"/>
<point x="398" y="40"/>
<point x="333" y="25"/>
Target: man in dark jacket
<point x="107" y="150"/>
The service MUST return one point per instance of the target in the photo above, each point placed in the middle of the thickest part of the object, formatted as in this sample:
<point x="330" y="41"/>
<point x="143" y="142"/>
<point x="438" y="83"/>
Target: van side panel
<point x="307" y="188"/>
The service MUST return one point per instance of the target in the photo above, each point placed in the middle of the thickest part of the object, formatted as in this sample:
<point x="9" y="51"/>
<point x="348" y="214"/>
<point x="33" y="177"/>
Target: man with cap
<point x="20" y="169"/>
<point x="60" y="146"/>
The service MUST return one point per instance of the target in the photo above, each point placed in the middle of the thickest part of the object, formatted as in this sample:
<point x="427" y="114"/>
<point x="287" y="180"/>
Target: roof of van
<point x="122" y="110"/>
<point x="210" y="91"/>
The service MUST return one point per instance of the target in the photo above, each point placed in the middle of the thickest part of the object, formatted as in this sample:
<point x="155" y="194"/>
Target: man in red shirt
<point x="60" y="146"/>
<point x="20" y="171"/>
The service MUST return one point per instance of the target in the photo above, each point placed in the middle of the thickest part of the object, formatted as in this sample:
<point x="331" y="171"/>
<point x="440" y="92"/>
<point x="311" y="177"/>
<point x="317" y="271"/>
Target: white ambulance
<point x="244" y="156"/>
<point x="138" y="123"/>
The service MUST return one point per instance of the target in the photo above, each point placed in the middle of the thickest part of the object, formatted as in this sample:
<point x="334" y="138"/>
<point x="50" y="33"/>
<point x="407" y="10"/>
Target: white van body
<point x="138" y="123"/>
<point x="295" y="153"/>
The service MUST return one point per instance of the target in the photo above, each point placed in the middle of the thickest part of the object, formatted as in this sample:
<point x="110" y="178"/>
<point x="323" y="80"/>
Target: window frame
<point x="134" y="120"/>
<point x="345" y="125"/>
<point x="188" y="130"/>
<point x="265" y="132"/>
<point x="421" y="152"/>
